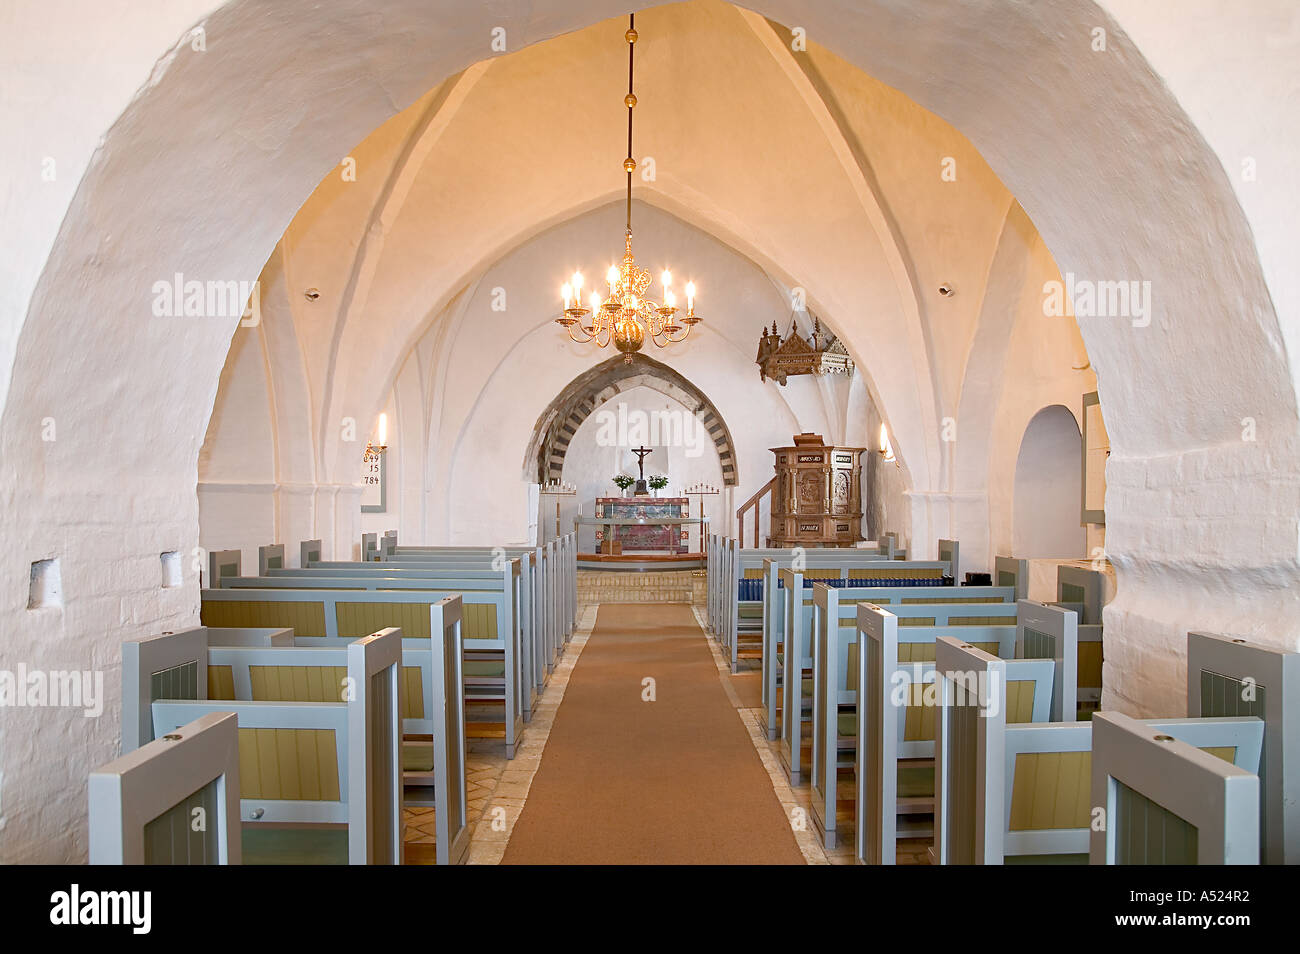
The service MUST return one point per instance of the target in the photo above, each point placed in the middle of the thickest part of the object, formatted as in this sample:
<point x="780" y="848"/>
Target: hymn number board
<point x="374" y="482"/>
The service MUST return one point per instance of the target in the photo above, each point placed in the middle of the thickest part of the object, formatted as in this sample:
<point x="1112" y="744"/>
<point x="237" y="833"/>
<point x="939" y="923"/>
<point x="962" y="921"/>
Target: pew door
<point x="173" y="801"/>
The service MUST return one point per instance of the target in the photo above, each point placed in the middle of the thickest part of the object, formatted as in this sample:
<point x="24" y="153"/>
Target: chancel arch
<point x="560" y="422"/>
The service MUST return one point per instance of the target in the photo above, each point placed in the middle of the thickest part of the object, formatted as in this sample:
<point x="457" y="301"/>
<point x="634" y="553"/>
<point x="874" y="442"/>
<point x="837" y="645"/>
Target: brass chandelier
<point x="625" y="316"/>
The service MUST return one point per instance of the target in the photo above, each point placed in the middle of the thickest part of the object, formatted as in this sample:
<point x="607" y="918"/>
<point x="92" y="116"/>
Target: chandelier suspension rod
<point x="631" y="101"/>
<point x="627" y="316"/>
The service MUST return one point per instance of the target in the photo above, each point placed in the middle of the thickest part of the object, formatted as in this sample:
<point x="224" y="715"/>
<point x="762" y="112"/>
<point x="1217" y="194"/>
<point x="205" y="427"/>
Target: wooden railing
<point x="752" y="502"/>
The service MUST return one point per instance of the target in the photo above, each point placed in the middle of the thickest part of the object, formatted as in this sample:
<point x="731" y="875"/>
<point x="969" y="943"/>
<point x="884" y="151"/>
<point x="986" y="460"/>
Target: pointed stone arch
<point x="591" y="389"/>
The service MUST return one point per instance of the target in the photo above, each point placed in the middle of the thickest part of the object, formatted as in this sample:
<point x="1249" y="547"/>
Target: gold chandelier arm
<point x="578" y="325"/>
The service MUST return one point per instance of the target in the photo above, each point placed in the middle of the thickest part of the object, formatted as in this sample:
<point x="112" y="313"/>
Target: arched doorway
<point x="1047" y="489"/>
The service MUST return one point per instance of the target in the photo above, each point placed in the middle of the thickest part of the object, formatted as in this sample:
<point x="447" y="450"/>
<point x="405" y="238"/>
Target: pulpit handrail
<point x="753" y="502"/>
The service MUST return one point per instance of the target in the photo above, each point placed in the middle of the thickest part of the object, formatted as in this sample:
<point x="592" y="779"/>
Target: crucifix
<point x="641" y="453"/>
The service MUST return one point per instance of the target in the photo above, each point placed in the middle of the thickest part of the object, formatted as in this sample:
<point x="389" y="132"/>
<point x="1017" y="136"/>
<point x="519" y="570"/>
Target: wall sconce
<point x="373" y="450"/>
<point x="886" y="448"/>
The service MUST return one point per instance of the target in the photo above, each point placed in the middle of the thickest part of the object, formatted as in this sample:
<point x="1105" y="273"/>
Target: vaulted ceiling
<point x="833" y="183"/>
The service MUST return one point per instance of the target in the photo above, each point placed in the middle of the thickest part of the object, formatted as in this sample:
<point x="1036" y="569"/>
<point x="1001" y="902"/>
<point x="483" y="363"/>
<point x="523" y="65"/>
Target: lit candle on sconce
<point x="690" y="296"/>
<point x="567" y="291"/>
<point x="373" y="449"/>
<point x="611" y="277"/>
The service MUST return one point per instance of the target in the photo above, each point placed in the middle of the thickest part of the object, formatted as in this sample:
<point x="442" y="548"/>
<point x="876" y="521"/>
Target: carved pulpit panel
<point x="810" y="492"/>
<point x="840" y="485"/>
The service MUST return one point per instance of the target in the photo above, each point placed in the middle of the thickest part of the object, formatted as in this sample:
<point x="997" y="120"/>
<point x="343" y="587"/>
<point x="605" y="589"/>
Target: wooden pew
<point x="1008" y="571"/>
<point x="918" y="606"/>
<point x="322" y="617"/>
<point x="727" y="565"/>
<point x="429" y="712"/>
<point x="513" y="577"/>
<point x="949" y="552"/>
<point x="1087" y="587"/>
<point x="892" y="546"/>
<point x="766" y="606"/>
<point x="249" y="636"/>
<point x="1045" y="631"/>
<point x="1017" y="793"/>
<point x="798" y="631"/>
<point x="835" y="683"/>
<point x="144" y="805"/>
<point x="221" y="564"/>
<point x="559" y="557"/>
<point x="746" y="616"/>
<point x="321" y="763"/>
<point x="1227" y="676"/>
<point x="890" y="733"/>
<point x="538" y="616"/>
<point x="270" y="557"/>
<point x="309" y="552"/>
<point x="1167" y="802"/>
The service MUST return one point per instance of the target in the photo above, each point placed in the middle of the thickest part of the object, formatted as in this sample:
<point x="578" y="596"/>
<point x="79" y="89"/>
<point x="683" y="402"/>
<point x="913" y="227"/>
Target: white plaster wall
<point x="1042" y="363"/>
<point x="886" y="505"/>
<point x="237" y="498"/>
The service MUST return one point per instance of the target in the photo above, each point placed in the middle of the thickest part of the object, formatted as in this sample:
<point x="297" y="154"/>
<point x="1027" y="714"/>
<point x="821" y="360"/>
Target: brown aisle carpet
<point x="674" y="781"/>
<point x="749" y="689"/>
